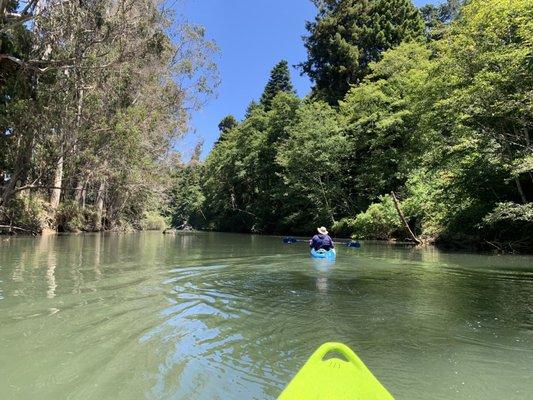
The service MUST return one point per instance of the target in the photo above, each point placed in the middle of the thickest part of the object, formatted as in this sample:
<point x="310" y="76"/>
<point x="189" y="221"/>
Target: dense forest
<point x="424" y="111"/>
<point x="93" y="95"/>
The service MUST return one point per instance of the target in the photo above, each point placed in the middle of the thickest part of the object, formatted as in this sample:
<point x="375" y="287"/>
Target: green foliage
<point x="510" y="225"/>
<point x="243" y="186"/>
<point x="343" y="228"/>
<point x="438" y="17"/>
<point x="348" y="35"/>
<point x="312" y="161"/>
<point x="510" y="212"/>
<point x="379" y="221"/>
<point x="251" y="108"/>
<point x="280" y="81"/>
<point x="70" y="217"/>
<point x="480" y="89"/>
<point x="91" y="104"/>
<point x="444" y="123"/>
<point x="380" y="118"/>
<point x="227" y="123"/>
<point x="153" y="221"/>
<point x="27" y="212"/>
<point x="187" y="197"/>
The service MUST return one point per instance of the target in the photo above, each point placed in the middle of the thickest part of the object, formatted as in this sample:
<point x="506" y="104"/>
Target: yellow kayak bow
<point x="333" y="378"/>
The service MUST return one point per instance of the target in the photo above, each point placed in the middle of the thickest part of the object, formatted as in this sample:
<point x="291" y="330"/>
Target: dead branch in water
<point x="402" y="217"/>
<point x="16" y="228"/>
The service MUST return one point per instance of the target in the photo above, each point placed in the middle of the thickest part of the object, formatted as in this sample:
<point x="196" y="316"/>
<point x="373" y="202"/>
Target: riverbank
<point x="456" y="242"/>
<point x="32" y="214"/>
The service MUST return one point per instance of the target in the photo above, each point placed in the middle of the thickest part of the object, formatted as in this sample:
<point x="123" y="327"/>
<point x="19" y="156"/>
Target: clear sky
<point x="253" y="35"/>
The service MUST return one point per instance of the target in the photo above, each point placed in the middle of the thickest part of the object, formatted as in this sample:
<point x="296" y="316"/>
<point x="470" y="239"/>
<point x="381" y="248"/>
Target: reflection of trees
<point x="234" y="316"/>
<point x="390" y="307"/>
<point x="47" y="246"/>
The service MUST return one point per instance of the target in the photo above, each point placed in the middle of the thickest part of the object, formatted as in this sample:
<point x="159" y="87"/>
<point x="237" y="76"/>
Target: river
<point x="224" y="316"/>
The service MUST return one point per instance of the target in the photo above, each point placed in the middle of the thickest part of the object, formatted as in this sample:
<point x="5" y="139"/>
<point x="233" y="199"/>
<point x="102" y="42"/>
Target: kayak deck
<point x="321" y="253"/>
<point x="335" y="378"/>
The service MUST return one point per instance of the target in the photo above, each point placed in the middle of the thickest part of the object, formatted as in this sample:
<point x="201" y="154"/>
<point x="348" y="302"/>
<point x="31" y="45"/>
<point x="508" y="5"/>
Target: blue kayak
<point x="321" y="253"/>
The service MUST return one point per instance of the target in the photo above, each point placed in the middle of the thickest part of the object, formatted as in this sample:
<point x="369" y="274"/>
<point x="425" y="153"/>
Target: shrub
<point x="153" y="221"/>
<point x="27" y="212"/>
<point x="510" y="224"/>
<point x="379" y="221"/>
<point x="70" y="217"/>
<point x="345" y="227"/>
<point x="89" y="215"/>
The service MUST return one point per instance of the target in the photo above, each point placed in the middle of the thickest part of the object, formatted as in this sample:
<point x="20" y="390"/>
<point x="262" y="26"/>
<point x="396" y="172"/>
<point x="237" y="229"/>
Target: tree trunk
<point x="58" y="180"/>
<point x="80" y="187"/>
<point x="19" y="176"/>
<point x="99" y="206"/>
<point x="520" y="190"/>
<point x="83" y="195"/>
<point x="402" y="217"/>
<point x="79" y="191"/>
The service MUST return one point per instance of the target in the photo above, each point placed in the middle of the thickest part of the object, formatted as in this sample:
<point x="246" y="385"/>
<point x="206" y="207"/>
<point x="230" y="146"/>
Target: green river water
<point x="222" y="316"/>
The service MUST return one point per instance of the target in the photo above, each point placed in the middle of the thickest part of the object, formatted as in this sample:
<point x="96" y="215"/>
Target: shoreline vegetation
<point x="93" y="97"/>
<point x="418" y="125"/>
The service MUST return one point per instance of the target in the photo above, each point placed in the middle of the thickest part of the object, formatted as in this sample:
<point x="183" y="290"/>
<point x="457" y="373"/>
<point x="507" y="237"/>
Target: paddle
<point x="292" y="240"/>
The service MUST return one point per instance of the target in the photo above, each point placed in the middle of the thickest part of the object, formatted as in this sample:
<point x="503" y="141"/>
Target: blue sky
<point x="253" y="35"/>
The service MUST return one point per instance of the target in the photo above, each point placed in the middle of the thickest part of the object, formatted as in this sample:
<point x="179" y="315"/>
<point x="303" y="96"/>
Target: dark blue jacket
<point x="321" y="242"/>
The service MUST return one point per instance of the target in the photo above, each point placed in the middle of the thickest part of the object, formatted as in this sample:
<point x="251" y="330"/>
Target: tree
<point x="187" y="197"/>
<point x="93" y="96"/>
<point x="312" y="159"/>
<point x="347" y="35"/>
<point x="244" y="186"/>
<point x="227" y="123"/>
<point x="482" y="85"/>
<point x="230" y="183"/>
<point x="270" y="199"/>
<point x="280" y="81"/>
<point x="381" y="119"/>
<point x="253" y="105"/>
<point x="438" y="17"/>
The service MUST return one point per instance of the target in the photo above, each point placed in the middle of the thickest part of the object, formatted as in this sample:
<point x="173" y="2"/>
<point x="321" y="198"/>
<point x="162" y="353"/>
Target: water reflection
<point x="51" y="279"/>
<point x="209" y="316"/>
<point x="322" y="284"/>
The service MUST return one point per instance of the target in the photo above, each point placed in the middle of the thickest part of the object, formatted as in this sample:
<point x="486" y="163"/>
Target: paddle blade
<point x="289" y="240"/>
<point x="353" y="243"/>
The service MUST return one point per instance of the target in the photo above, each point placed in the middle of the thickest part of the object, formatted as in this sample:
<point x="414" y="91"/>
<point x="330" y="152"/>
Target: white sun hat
<point x="322" y="230"/>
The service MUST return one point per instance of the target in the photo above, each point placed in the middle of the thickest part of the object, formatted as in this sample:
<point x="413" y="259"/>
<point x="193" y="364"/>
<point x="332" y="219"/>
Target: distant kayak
<point x="321" y="253"/>
<point x="345" y="378"/>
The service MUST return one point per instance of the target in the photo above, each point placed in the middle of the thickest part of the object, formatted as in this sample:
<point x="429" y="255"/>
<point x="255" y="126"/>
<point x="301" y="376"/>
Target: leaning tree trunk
<point x="402" y="217"/>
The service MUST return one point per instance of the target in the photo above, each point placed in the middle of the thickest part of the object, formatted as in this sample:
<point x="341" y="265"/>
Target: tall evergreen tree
<point x="280" y="81"/>
<point x="347" y="35"/>
<point x="250" y="109"/>
<point x="224" y="126"/>
<point x="228" y="122"/>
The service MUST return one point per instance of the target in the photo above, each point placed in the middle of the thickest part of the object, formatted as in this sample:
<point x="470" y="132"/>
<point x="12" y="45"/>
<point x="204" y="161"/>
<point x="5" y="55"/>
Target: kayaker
<point x="322" y="240"/>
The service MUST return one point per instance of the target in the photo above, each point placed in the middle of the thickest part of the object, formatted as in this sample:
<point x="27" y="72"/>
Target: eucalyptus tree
<point x="108" y="86"/>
